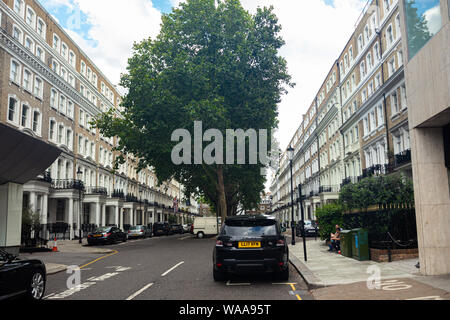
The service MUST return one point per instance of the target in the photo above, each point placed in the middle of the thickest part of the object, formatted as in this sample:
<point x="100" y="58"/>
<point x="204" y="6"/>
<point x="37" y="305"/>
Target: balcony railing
<point x="97" y="190"/>
<point x="118" y="194"/>
<point x="46" y="177"/>
<point x="402" y="158"/>
<point x="67" y="184"/>
<point x="131" y="198"/>
<point x="324" y="189"/>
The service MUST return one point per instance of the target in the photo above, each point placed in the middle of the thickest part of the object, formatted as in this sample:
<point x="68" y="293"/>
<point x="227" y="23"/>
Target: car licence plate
<point x="98" y="235"/>
<point x="250" y="244"/>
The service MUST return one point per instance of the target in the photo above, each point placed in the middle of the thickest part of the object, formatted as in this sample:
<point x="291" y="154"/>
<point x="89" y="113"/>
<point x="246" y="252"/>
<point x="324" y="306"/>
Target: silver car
<point x="139" y="231"/>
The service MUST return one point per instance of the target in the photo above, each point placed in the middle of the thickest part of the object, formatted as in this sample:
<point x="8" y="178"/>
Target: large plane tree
<point x="212" y="62"/>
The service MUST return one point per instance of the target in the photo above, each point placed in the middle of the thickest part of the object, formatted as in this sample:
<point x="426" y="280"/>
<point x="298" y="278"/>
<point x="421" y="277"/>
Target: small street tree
<point x="213" y="63"/>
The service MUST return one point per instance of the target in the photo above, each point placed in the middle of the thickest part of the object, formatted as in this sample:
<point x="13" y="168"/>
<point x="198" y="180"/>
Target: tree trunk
<point x="221" y="198"/>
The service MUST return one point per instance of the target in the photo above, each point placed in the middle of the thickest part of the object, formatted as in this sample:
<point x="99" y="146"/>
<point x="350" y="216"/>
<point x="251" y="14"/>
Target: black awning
<point x="23" y="157"/>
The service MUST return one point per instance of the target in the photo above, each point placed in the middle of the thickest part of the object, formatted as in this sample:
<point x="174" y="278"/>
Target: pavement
<point x="70" y="252"/>
<point x="325" y="270"/>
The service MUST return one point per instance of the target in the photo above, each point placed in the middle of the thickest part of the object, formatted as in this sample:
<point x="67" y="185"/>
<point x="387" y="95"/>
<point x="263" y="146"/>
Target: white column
<point x="71" y="219"/>
<point x="44" y="211"/>
<point x="103" y="214"/>
<point x="11" y="198"/>
<point x="131" y="216"/>
<point x="116" y="216"/>
<point x="32" y="203"/>
<point x="121" y="217"/>
<point x="97" y="213"/>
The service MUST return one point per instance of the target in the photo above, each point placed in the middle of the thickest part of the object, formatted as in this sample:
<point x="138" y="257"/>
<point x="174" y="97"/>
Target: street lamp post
<point x="303" y="220"/>
<point x="80" y="212"/>
<point x="140" y="204"/>
<point x="290" y="152"/>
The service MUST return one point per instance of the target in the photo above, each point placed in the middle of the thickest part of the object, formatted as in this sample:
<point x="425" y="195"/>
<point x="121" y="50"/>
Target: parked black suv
<point x="251" y="244"/>
<point x="19" y="277"/>
<point x="161" y="228"/>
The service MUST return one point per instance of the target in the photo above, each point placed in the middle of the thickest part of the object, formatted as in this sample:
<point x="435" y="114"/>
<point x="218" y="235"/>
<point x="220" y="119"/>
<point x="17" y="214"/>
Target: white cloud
<point x="433" y="17"/>
<point x="114" y="27"/>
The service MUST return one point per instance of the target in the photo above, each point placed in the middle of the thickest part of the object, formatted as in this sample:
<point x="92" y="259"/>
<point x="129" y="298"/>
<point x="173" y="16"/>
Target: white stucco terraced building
<point x="51" y="90"/>
<point x="358" y="122"/>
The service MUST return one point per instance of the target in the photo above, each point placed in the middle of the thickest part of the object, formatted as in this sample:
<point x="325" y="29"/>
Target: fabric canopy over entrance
<point x="23" y="157"/>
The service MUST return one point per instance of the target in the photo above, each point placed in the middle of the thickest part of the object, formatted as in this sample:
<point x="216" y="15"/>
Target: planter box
<point x="381" y="255"/>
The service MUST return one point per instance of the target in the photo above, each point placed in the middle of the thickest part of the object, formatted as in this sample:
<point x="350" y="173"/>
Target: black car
<point x="251" y="244"/>
<point x="161" y="228"/>
<point x="21" y="277"/>
<point x="311" y="229"/>
<point x="106" y="235"/>
<point x="176" y="228"/>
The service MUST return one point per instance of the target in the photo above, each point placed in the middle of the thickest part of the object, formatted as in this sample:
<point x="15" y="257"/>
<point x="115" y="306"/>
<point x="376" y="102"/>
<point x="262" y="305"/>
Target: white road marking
<point x="134" y="295"/>
<point x="185" y="238"/>
<point x="50" y="295"/>
<point x="238" y="284"/>
<point x="171" y="269"/>
<point x="428" y="298"/>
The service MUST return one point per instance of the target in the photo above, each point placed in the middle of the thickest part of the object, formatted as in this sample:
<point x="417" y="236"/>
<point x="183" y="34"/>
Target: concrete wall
<point x="428" y="94"/>
<point x="11" y="196"/>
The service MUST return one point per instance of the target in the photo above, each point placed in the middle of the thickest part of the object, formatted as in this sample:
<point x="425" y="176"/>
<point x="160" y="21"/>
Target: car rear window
<point x="250" y="228"/>
<point x="102" y="229"/>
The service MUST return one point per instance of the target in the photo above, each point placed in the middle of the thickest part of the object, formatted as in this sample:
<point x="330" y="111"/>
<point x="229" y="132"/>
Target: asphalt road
<point x="177" y="267"/>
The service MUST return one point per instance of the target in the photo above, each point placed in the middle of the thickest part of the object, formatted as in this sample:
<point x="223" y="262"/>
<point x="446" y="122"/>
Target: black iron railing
<point x="324" y="189"/>
<point x="97" y="190"/>
<point x="131" y="198"/>
<point x="402" y="158"/>
<point x="46" y="177"/>
<point x="66" y="184"/>
<point x="118" y="194"/>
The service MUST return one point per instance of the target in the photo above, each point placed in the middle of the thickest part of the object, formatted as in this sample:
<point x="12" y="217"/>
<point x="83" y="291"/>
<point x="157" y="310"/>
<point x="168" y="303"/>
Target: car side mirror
<point x="10" y="258"/>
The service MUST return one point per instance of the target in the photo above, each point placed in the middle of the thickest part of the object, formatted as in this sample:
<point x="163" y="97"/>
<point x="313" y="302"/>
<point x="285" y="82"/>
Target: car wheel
<point x="200" y="235"/>
<point x="37" y="286"/>
<point x="284" y="275"/>
<point x="124" y="239"/>
<point x="218" y="275"/>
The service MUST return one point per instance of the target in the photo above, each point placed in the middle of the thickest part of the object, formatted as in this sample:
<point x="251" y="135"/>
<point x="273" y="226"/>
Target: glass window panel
<point x="423" y="21"/>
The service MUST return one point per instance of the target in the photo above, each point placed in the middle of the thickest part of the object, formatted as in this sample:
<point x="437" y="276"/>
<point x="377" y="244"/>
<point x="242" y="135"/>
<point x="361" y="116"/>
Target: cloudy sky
<point x="315" y="32"/>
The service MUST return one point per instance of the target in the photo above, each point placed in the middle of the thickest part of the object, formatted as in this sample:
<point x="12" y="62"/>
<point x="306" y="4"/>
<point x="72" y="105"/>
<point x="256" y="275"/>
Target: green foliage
<point x="30" y="220"/>
<point x="215" y="64"/>
<point x="377" y="190"/>
<point x="172" y="219"/>
<point x="328" y="216"/>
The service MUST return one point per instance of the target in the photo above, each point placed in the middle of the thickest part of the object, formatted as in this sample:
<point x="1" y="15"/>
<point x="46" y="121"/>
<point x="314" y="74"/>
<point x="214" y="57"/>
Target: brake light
<point x="219" y="265"/>
<point x="219" y="243"/>
<point x="129" y="231"/>
<point x="107" y="234"/>
<point x="280" y="243"/>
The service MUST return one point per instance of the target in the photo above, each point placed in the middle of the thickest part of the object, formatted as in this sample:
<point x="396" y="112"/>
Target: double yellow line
<point x="103" y="257"/>
<point x="293" y="290"/>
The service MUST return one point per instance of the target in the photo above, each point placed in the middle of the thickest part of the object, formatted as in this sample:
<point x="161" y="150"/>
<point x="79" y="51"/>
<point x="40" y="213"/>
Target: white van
<point x="205" y="226"/>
